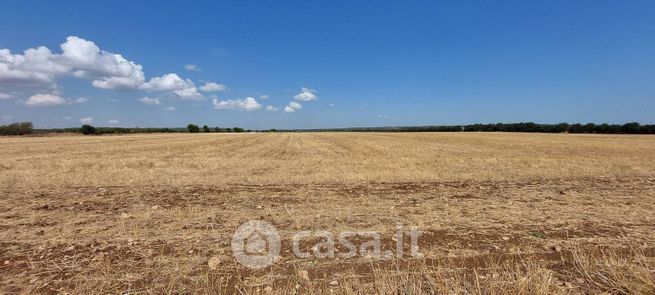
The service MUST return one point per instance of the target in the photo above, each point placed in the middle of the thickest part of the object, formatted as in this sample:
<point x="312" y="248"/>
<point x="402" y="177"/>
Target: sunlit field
<point x="500" y="213"/>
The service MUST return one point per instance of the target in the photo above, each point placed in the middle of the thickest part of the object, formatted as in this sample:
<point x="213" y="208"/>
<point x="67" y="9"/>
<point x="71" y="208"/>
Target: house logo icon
<point x="256" y="244"/>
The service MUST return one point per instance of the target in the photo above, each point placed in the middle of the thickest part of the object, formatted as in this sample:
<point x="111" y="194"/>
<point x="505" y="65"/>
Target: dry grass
<point x="501" y="213"/>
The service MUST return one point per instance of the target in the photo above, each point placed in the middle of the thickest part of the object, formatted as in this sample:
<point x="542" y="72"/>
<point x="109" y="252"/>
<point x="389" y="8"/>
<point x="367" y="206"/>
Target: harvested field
<point x="500" y="213"/>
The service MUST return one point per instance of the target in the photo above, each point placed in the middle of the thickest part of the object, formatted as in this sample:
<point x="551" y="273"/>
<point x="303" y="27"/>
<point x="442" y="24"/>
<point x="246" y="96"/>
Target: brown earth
<point x="500" y="213"/>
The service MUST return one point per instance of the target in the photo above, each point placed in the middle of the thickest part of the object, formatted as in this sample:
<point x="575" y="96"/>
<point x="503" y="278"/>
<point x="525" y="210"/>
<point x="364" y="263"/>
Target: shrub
<point x="205" y="129"/>
<point x="21" y="128"/>
<point x="88" y="129"/>
<point x="193" y="128"/>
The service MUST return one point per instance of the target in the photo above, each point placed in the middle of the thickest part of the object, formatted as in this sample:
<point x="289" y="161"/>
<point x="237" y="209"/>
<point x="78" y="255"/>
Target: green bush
<point x="88" y="130"/>
<point x="193" y="128"/>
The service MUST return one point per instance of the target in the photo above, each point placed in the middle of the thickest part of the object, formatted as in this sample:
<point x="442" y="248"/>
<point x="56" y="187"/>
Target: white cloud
<point x="112" y="121"/>
<point x="241" y="104"/>
<point x="271" y="109"/>
<point x="306" y="94"/>
<point x="86" y="120"/>
<point x="190" y="93"/>
<point x="81" y="100"/>
<point x="45" y="100"/>
<point x="170" y="109"/>
<point x="5" y="96"/>
<point x="167" y="82"/>
<point x="211" y="86"/>
<point x="264" y="96"/>
<point x="83" y="59"/>
<point x="331" y="105"/>
<point x="292" y="107"/>
<point x="79" y="58"/>
<point x="149" y="100"/>
<point x="192" y="68"/>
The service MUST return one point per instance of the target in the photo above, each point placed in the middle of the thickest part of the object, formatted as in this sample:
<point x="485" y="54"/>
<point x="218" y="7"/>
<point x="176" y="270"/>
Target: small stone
<point x="155" y="207"/>
<point x="6" y="262"/>
<point x="125" y="215"/>
<point x="303" y="274"/>
<point x="259" y="207"/>
<point x="213" y="262"/>
<point x="70" y="249"/>
<point x="190" y="251"/>
<point x="268" y="289"/>
<point x="334" y="283"/>
<point x="505" y="238"/>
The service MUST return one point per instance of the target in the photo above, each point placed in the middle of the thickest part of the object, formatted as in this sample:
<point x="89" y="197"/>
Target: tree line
<point x="21" y="128"/>
<point x="26" y="128"/>
<point x="193" y="128"/>
<point x="628" y="128"/>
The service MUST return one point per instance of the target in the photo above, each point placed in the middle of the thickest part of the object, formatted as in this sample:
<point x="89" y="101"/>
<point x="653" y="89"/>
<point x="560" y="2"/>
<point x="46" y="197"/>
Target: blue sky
<point x="346" y="63"/>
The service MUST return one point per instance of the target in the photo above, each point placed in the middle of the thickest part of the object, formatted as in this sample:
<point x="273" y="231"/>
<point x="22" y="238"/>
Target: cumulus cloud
<point x="40" y="100"/>
<point x="170" y="109"/>
<point x="192" y="68"/>
<point x="86" y="120"/>
<point x="5" y="96"/>
<point x="167" y="82"/>
<point x="79" y="58"/>
<point x="306" y="94"/>
<point x="190" y="93"/>
<point x="149" y="100"/>
<point x="292" y="107"/>
<point x="247" y="104"/>
<point x="264" y="96"/>
<point x="211" y="86"/>
<point x="271" y="108"/>
<point x="295" y="105"/>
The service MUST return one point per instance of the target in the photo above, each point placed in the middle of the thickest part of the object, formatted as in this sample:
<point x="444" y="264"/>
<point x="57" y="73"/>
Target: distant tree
<point x="205" y="129"/>
<point x="630" y="128"/>
<point x="561" y="127"/>
<point x="88" y="130"/>
<point x="25" y="128"/>
<point x="589" y="128"/>
<point x="238" y="129"/>
<point x="193" y="128"/>
<point x="576" y="128"/>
